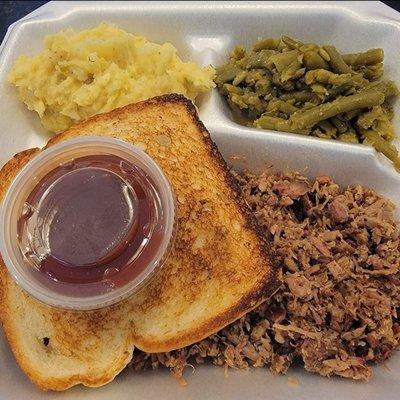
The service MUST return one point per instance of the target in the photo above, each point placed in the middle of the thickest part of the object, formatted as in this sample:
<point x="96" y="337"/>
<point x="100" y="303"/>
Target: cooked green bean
<point x="340" y="125"/>
<point x="336" y="61"/>
<point x="319" y="89"/>
<point x="380" y="144"/>
<point x="312" y="60"/>
<point x="308" y="104"/>
<point x="281" y="106"/>
<point x="348" y="116"/>
<point x="364" y="99"/>
<point x="293" y="70"/>
<point x="329" y="129"/>
<point x="388" y="88"/>
<point x="277" y="124"/>
<point x="226" y="73"/>
<point x="297" y="95"/>
<point x="257" y="60"/>
<point x="384" y="128"/>
<point x="266" y="44"/>
<point x="366" y="120"/>
<point x="292" y="43"/>
<point x="349" y="137"/>
<point x="369" y="57"/>
<point x="239" y="78"/>
<point x="335" y="91"/>
<point x="324" y="54"/>
<point x="355" y="82"/>
<point x="227" y="88"/>
<point x="289" y="85"/>
<point x="326" y="77"/>
<point x="372" y="72"/>
<point x="282" y="60"/>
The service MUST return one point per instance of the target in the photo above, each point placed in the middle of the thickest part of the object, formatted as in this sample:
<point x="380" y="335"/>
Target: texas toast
<point x="219" y="268"/>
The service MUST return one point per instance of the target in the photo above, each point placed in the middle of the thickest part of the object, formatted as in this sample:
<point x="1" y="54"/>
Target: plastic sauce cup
<point x="87" y="223"/>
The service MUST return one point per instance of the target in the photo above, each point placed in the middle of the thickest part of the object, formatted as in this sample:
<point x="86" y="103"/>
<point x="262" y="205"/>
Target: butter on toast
<point x="218" y="270"/>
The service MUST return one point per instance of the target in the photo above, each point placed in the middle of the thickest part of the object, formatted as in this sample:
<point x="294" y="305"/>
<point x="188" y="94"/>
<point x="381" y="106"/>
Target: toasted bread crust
<point x="116" y="316"/>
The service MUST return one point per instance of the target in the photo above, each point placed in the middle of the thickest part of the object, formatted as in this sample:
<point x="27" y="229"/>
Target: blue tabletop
<point x="11" y="11"/>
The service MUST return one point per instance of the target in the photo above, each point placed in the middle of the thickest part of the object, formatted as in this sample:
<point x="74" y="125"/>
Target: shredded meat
<point x="293" y="189"/>
<point x="338" y="211"/>
<point x="338" y="307"/>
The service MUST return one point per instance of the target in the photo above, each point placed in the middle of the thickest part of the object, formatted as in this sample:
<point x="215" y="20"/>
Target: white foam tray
<point x="205" y="32"/>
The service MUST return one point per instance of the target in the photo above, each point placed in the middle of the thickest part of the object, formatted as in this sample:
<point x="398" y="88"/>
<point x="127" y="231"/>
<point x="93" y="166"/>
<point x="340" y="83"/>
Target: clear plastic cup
<point x="35" y="208"/>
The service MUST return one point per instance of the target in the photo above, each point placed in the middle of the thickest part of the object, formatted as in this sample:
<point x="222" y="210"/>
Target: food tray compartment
<point x="205" y="32"/>
<point x="183" y="25"/>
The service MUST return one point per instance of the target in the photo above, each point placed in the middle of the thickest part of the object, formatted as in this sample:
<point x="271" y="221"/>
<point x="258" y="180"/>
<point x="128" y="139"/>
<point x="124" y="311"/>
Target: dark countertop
<point x="11" y="11"/>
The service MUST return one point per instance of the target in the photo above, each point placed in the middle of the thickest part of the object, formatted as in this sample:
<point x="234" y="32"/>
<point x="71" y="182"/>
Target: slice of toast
<point x="218" y="270"/>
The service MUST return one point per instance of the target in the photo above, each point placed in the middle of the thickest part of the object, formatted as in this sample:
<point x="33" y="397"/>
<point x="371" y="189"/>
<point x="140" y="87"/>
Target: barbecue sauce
<point x="95" y="219"/>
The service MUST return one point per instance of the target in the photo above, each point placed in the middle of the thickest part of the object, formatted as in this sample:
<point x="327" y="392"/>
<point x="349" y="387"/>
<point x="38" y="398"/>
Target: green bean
<point x="356" y="81"/>
<point x="348" y="116"/>
<point x="324" y="54"/>
<point x="246" y="101"/>
<point x="254" y="76"/>
<point x="239" y="78"/>
<point x="292" y="86"/>
<point x="276" y="79"/>
<point x="349" y="137"/>
<point x="266" y="44"/>
<point x="326" y="77"/>
<point x="380" y="144"/>
<point x="329" y="129"/>
<point x="257" y="60"/>
<point x="334" y="92"/>
<point x="312" y="60"/>
<point x="336" y="61"/>
<point x="292" y="43"/>
<point x="238" y="53"/>
<point x="226" y="73"/>
<point x="293" y="70"/>
<point x="318" y="88"/>
<point x="298" y="95"/>
<point x="277" y="124"/>
<point x="363" y="99"/>
<point x="282" y="60"/>
<point x="388" y="110"/>
<point x="301" y="85"/>
<point x="263" y="86"/>
<point x="369" y="57"/>
<point x="228" y="88"/>
<point x="388" y="88"/>
<point x="352" y="130"/>
<point x="308" y="105"/>
<point x="305" y="48"/>
<point x="366" y="120"/>
<point x="340" y="125"/>
<point x="281" y="106"/>
<point x="384" y="128"/>
<point x="372" y="72"/>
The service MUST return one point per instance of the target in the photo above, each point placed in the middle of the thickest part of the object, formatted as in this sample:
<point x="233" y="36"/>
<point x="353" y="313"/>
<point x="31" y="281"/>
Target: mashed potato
<point x="96" y="70"/>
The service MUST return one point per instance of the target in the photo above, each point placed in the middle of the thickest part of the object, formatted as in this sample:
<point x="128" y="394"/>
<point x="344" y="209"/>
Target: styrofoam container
<point x="205" y="32"/>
